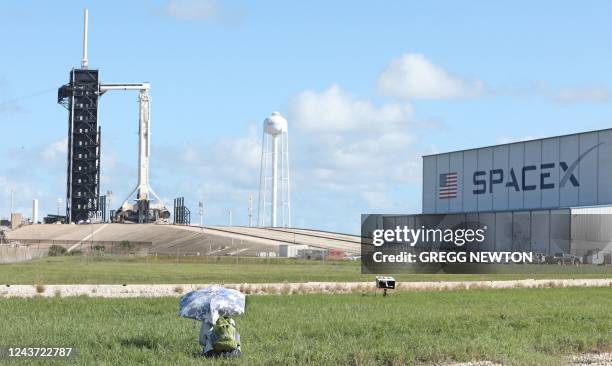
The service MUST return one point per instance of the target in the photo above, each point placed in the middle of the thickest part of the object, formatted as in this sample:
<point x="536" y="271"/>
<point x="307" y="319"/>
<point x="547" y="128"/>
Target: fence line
<point x="27" y="242"/>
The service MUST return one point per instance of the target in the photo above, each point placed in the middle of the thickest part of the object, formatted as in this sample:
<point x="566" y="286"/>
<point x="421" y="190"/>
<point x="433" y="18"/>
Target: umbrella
<point x="211" y="302"/>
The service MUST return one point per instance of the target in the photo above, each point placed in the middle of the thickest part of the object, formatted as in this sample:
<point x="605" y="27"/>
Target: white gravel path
<point x="592" y="359"/>
<point x="586" y="359"/>
<point x="162" y="290"/>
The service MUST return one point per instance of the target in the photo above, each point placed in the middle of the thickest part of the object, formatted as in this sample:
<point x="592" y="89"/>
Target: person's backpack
<point x="224" y="332"/>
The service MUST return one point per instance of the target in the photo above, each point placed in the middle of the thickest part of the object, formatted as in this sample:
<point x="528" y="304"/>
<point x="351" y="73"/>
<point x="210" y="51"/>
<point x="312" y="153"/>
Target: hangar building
<point x="552" y="196"/>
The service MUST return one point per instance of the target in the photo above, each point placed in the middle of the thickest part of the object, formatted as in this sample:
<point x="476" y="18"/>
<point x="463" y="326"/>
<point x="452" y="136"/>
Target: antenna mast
<point x="84" y="60"/>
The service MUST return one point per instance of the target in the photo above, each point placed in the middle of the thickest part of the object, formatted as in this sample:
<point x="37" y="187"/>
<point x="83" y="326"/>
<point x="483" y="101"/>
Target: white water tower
<point x="274" y="174"/>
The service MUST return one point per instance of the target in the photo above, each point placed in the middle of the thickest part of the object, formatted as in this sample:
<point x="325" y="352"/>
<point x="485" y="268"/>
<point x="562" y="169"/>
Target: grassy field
<point x="518" y="327"/>
<point x="133" y="270"/>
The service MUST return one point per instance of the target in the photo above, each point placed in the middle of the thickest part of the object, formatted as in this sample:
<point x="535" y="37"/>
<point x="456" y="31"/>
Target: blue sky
<point x="367" y="88"/>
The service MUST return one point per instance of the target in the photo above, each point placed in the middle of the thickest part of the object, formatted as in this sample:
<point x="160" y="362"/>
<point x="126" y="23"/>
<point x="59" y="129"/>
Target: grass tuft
<point x="285" y="289"/>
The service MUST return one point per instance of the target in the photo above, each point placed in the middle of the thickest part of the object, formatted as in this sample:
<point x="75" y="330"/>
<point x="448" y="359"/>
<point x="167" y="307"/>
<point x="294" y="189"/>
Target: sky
<point x="367" y="89"/>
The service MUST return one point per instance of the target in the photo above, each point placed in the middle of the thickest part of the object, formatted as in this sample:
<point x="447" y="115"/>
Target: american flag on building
<point x="448" y="185"/>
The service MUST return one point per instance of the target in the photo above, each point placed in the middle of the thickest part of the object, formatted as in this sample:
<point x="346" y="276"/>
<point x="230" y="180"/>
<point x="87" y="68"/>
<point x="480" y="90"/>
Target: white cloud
<point x="376" y="200"/>
<point x="227" y="165"/>
<point x="348" y="143"/>
<point x="595" y="94"/>
<point x="352" y="149"/>
<point x="239" y="159"/>
<point x="194" y="10"/>
<point x="413" y="76"/>
<point x="34" y="171"/>
<point x="336" y="110"/>
<point x="202" y="11"/>
<point x="23" y="193"/>
<point x="55" y="150"/>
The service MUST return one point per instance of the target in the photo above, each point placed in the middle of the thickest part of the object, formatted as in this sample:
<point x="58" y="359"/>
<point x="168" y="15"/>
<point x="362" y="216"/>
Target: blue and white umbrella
<point x="211" y="302"/>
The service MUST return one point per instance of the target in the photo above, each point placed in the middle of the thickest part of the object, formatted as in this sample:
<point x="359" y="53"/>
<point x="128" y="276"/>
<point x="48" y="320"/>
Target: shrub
<point x="56" y="250"/>
<point x="126" y="246"/>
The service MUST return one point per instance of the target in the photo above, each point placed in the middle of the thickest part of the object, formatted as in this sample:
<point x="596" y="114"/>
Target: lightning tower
<point x="80" y="96"/>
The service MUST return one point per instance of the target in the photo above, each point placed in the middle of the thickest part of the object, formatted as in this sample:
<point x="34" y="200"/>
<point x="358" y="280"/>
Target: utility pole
<point x="250" y="209"/>
<point x="201" y="209"/>
<point x="59" y="204"/>
<point x="230" y="224"/>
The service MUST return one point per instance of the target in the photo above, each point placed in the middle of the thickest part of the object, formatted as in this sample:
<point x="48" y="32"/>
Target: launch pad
<point x="80" y="96"/>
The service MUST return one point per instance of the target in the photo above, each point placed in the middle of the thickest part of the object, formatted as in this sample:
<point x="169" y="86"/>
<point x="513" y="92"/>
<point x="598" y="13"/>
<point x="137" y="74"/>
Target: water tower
<point x="274" y="174"/>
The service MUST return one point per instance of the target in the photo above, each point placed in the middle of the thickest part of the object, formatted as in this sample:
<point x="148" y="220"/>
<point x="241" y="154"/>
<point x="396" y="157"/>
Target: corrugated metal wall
<point x="576" y="231"/>
<point x="539" y="170"/>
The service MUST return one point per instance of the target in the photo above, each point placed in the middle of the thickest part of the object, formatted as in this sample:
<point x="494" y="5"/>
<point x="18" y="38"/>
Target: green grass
<point x="517" y="327"/>
<point x="133" y="270"/>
